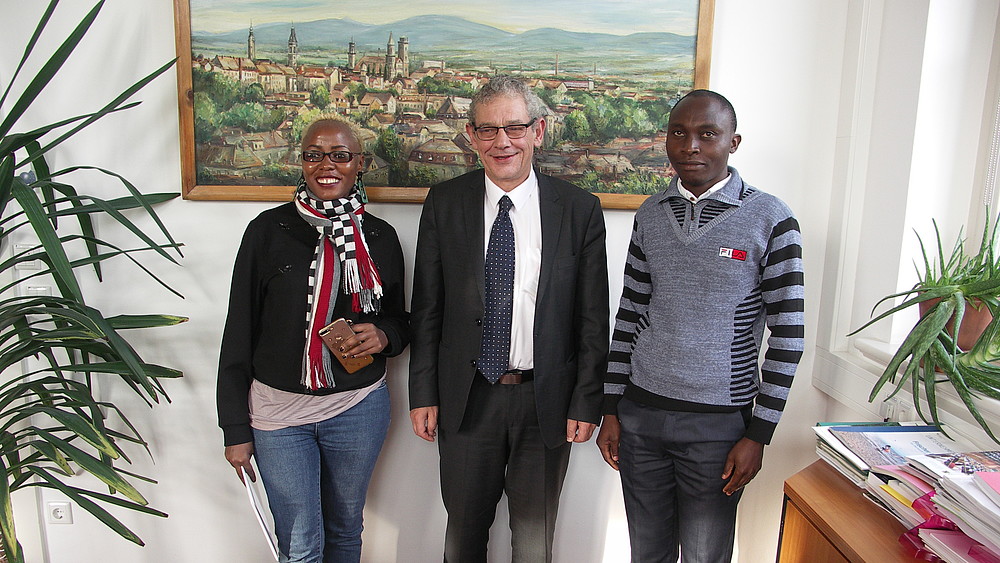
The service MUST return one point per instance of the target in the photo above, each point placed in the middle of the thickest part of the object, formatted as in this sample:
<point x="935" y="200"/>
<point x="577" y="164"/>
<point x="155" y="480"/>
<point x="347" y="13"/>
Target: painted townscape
<point x="407" y="84"/>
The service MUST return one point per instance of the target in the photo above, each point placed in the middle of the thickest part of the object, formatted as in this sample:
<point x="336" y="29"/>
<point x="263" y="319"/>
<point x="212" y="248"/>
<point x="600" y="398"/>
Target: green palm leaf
<point x="51" y="425"/>
<point x="90" y="506"/>
<point x="50" y="68"/>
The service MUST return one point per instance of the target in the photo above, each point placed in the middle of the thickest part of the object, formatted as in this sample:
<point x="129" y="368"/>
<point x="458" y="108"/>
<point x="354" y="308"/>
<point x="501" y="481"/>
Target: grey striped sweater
<point x="701" y="281"/>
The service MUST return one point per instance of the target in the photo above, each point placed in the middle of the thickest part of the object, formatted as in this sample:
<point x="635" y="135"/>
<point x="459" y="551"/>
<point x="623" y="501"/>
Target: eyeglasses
<point x="515" y="131"/>
<point x="335" y="156"/>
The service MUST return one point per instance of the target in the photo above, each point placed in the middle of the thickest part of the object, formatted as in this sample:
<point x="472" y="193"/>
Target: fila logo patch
<point x="733" y="253"/>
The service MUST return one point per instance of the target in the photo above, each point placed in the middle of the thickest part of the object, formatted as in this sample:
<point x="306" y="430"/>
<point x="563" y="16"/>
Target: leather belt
<point x="516" y="376"/>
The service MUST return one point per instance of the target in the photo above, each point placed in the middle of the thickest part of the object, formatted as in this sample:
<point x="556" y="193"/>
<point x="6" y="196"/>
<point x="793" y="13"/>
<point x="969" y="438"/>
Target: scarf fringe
<point x="361" y="278"/>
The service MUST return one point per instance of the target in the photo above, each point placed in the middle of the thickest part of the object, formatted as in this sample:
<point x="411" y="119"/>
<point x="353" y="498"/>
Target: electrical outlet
<point x="38" y="291"/>
<point x="29" y="264"/>
<point x="887" y="410"/>
<point x="59" y="512"/>
<point x="905" y="411"/>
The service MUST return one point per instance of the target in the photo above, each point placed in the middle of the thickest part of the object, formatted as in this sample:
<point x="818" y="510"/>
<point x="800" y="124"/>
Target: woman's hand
<point x="239" y="457"/>
<point x="367" y="339"/>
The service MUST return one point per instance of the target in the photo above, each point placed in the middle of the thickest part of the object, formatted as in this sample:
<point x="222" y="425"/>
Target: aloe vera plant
<point x="949" y="283"/>
<point x="53" y="347"/>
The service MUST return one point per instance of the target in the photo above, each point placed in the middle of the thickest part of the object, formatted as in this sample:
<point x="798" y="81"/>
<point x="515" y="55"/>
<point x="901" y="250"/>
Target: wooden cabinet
<point x="827" y="519"/>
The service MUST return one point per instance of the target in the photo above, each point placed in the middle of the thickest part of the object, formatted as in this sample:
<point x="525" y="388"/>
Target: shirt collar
<point x="519" y="196"/>
<point x="693" y="198"/>
<point x="729" y="193"/>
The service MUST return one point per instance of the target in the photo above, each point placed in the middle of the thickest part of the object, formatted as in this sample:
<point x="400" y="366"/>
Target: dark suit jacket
<point x="571" y="306"/>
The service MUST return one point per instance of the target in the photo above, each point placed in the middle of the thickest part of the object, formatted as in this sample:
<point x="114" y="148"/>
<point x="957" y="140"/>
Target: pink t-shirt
<point x="274" y="409"/>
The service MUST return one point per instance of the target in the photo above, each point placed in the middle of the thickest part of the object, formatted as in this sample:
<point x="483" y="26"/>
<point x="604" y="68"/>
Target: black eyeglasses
<point x="515" y="131"/>
<point x="335" y="156"/>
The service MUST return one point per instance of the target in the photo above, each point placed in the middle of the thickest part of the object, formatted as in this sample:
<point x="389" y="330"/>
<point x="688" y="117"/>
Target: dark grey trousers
<point x="671" y="465"/>
<point x="498" y="449"/>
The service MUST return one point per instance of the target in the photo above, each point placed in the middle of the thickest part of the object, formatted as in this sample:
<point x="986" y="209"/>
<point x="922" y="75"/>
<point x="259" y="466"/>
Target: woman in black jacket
<point x="284" y="397"/>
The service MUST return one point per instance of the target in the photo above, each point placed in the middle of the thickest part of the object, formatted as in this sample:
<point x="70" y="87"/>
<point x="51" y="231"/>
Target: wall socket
<point x="897" y="410"/>
<point x="59" y="512"/>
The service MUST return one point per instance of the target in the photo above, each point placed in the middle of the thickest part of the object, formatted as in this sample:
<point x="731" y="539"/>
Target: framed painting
<point x="253" y="73"/>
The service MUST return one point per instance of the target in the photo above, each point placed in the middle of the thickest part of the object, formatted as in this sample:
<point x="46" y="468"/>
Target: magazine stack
<point x="854" y="448"/>
<point x="964" y="502"/>
<point x="944" y="491"/>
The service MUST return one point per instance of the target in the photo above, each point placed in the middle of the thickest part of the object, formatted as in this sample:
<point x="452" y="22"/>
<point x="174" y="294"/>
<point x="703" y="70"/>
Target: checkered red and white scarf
<point x="339" y="224"/>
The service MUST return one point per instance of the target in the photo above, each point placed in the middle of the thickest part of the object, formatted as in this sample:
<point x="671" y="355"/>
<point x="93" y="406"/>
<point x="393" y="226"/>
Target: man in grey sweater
<point x="687" y="408"/>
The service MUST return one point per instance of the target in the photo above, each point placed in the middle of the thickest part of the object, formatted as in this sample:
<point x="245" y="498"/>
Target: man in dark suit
<point x="506" y="370"/>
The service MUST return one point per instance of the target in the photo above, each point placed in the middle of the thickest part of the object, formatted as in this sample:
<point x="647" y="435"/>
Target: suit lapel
<point x="551" y="210"/>
<point x="472" y="210"/>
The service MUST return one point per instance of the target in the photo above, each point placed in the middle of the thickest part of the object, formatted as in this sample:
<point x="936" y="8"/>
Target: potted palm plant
<point x="54" y="347"/>
<point x="951" y="288"/>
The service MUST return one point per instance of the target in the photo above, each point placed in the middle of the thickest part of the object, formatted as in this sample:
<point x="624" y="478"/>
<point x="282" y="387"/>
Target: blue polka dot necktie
<point x="494" y="357"/>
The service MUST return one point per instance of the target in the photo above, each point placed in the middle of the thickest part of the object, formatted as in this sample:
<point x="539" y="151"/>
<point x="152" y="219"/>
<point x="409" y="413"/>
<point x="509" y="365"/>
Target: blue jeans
<point x="316" y="478"/>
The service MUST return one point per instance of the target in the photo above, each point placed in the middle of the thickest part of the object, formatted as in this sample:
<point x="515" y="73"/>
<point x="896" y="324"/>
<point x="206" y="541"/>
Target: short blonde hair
<point x="332" y="119"/>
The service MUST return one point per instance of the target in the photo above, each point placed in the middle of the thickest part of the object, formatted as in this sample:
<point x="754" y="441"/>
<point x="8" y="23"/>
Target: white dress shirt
<point x="526" y="218"/>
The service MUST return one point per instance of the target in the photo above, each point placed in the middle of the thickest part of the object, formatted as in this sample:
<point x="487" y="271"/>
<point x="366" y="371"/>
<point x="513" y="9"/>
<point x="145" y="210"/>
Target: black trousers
<point x="499" y="449"/>
<point x="671" y="469"/>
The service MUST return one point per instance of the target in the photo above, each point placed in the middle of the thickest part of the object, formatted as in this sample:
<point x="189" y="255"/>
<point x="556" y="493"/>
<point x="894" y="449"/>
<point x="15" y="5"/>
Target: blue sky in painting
<point x="618" y="17"/>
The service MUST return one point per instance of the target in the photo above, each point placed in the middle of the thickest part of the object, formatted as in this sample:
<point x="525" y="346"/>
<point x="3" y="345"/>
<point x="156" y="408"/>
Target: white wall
<point x="779" y="61"/>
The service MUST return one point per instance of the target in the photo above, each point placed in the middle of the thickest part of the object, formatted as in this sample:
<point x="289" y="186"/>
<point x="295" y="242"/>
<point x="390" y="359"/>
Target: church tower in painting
<point x="390" y="60"/>
<point x="404" y="57"/>
<point x="293" y="49"/>
<point x="251" y="45"/>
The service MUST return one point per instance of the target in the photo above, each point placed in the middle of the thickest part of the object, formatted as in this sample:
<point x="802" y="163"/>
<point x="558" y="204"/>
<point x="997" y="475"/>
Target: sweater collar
<point x="729" y="194"/>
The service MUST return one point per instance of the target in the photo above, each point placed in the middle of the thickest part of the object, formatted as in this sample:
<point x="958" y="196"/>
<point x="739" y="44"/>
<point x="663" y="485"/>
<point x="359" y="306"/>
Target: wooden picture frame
<point x="195" y="188"/>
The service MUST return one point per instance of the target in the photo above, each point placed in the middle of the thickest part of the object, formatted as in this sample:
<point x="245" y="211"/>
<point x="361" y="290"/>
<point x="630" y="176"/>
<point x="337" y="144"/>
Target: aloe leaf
<point x="930" y="389"/>
<point x="917" y="342"/>
<point x="980" y="384"/>
<point x="980" y="287"/>
<point x="958" y="382"/>
<point x="909" y="374"/>
<point x="956" y="319"/>
<point x="922" y="295"/>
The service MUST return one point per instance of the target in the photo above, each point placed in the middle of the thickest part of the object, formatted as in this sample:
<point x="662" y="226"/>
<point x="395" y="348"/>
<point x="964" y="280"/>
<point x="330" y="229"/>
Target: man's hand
<point x="239" y="457"/>
<point x="608" y="438"/>
<point x="579" y="431"/>
<point x="742" y="464"/>
<point x="425" y="421"/>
